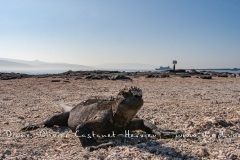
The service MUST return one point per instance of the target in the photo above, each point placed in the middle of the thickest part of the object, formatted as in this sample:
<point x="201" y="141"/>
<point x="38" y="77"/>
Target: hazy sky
<point x="197" y="33"/>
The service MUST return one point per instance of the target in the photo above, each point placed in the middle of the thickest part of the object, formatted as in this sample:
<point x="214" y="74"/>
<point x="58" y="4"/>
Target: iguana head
<point x="128" y="102"/>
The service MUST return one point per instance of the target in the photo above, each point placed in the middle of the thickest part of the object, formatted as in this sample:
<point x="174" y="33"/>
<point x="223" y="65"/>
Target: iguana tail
<point x="59" y="120"/>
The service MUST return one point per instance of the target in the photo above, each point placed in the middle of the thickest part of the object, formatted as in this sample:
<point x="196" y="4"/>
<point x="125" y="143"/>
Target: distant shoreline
<point x="217" y="69"/>
<point x="59" y="71"/>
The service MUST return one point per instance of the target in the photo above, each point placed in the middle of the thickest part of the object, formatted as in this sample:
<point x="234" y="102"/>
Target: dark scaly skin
<point x="103" y="117"/>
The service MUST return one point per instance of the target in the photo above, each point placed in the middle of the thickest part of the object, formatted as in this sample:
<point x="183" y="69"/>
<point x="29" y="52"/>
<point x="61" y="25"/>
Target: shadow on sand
<point x="145" y="144"/>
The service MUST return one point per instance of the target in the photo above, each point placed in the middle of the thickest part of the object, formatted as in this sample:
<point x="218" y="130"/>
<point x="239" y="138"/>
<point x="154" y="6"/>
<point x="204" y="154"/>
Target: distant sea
<point x="34" y="72"/>
<point x="56" y="71"/>
<point x="218" y="70"/>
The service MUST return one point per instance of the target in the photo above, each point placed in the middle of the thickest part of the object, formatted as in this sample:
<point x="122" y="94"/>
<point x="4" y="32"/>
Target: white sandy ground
<point x="189" y="104"/>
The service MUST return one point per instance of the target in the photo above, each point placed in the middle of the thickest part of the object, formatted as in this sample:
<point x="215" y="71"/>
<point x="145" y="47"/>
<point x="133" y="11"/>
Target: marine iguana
<point x="103" y="117"/>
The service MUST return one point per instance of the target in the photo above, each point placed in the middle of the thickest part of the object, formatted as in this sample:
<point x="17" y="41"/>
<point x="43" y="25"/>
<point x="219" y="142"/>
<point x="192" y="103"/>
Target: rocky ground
<point x="207" y="110"/>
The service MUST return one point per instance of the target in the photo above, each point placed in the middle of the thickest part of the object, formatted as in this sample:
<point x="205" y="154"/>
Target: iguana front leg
<point x="140" y="124"/>
<point x="84" y="133"/>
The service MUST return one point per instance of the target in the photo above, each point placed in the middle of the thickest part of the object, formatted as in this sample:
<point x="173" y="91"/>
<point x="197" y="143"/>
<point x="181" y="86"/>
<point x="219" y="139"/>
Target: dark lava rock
<point x="178" y="71"/>
<point x="66" y="81"/>
<point x="184" y="75"/>
<point x="97" y="77"/>
<point x="193" y="71"/>
<point x="79" y="77"/>
<point x="150" y="76"/>
<point x="8" y="76"/>
<point x="42" y="76"/>
<point x="121" y="77"/>
<point x="93" y="77"/>
<point x="56" y="80"/>
<point x="223" y="75"/>
<point x="206" y="77"/>
<point x="164" y="75"/>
